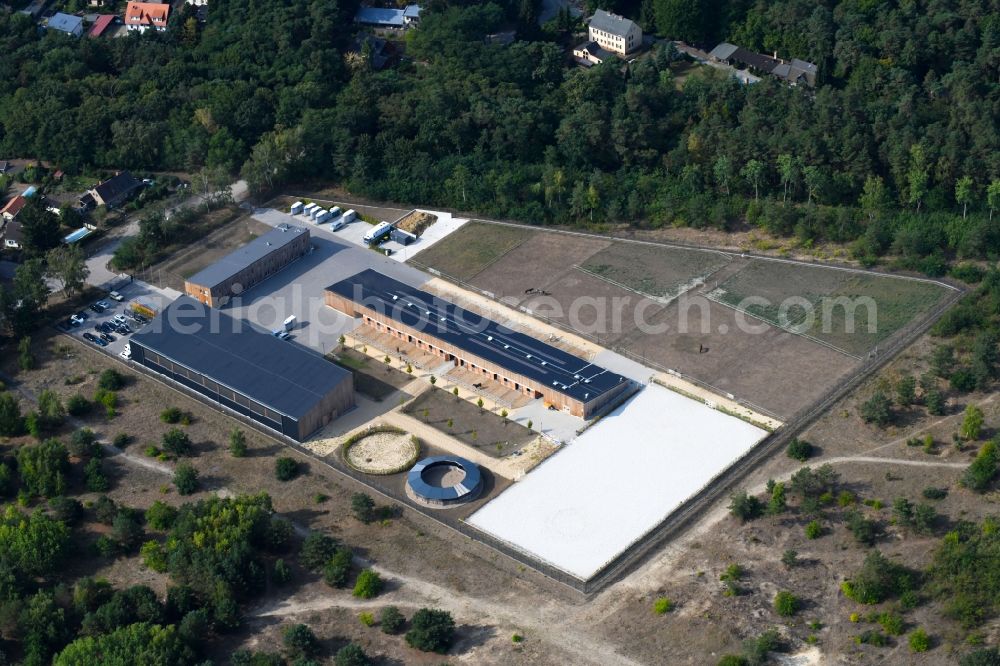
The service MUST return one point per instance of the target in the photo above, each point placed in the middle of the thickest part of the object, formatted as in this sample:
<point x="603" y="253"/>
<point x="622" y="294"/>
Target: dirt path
<point x="933" y="424"/>
<point x="894" y="461"/>
<point x="553" y="623"/>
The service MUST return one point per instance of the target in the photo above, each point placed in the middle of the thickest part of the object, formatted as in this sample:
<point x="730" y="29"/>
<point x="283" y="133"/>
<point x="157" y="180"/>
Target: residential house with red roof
<point x="143" y="16"/>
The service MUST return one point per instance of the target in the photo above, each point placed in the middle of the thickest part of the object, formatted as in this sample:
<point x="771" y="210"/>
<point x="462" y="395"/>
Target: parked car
<point x="123" y="329"/>
<point x="76" y="320"/>
<point x="125" y="355"/>
<point x="104" y="327"/>
<point x="107" y="337"/>
<point x="82" y="315"/>
<point x="89" y="336"/>
<point x="103" y="304"/>
<point x="99" y="342"/>
<point x="120" y="319"/>
<point x="97" y="308"/>
<point x="115" y="296"/>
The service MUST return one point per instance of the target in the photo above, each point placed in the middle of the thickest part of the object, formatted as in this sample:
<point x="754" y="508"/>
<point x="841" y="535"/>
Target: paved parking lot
<point x="135" y="291"/>
<point x="355" y="231"/>
<point x="298" y="288"/>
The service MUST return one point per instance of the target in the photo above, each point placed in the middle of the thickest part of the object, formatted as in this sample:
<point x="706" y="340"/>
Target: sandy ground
<point x="491" y="598"/>
<point x="381" y="452"/>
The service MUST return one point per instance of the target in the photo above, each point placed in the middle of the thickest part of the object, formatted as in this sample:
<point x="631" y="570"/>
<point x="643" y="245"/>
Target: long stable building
<point x="276" y="383"/>
<point x="251" y="264"/>
<point x="515" y="360"/>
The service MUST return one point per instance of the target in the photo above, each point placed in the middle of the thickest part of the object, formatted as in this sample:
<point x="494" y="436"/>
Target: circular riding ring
<point x="444" y="481"/>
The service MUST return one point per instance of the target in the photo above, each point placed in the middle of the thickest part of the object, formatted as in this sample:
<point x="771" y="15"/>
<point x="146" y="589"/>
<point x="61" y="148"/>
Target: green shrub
<point x="745" y="507"/>
<point x="317" y="549"/>
<point x="111" y="380"/>
<point x="43" y="468"/>
<point x="11" y="421"/>
<point x="933" y="493"/>
<point x="368" y="585"/>
<point x="176" y="442"/>
<point x="282" y="573"/>
<point x="238" y="443"/>
<point x="78" y="406"/>
<point x="161" y="516"/>
<point x="391" y="620"/>
<point x="95" y="479"/>
<point x="980" y="474"/>
<point x="919" y="641"/>
<point x="171" y="415"/>
<point x="733" y="660"/>
<point x="286" y="469"/>
<point x="153" y="556"/>
<point x="878" y="580"/>
<point x="363" y="507"/>
<point x="367" y="619"/>
<point x="872" y="637"/>
<point x="121" y="440"/>
<point x="877" y="410"/>
<point x="352" y="654"/>
<point x="891" y="623"/>
<point x="300" y="641"/>
<point x="66" y="510"/>
<point x="83" y="444"/>
<point x="786" y="604"/>
<point x="338" y="569"/>
<point x="109" y="400"/>
<point x="800" y="450"/>
<point x="186" y="479"/>
<point x="814" y="529"/>
<point x="431" y="631"/>
<point x="662" y="606"/>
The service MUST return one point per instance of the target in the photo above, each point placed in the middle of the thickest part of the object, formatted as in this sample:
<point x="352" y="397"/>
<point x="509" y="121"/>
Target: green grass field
<point x="852" y="312"/>
<point x="472" y="248"/>
<point x="662" y="272"/>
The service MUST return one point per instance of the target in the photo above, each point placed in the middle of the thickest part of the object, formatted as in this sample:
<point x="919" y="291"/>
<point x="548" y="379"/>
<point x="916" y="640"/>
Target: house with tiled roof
<point x="13" y="207"/>
<point x="143" y="16"/>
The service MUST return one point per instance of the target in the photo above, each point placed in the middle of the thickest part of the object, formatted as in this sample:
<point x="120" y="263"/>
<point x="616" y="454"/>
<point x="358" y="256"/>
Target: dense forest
<point x="896" y="151"/>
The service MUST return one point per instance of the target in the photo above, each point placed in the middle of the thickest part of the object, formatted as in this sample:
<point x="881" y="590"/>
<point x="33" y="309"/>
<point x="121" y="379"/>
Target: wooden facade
<point x="219" y="294"/>
<point x="426" y="341"/>
<point x="326" y="409"/>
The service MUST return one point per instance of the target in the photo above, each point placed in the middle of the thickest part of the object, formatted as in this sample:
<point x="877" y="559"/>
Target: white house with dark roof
<point x="615" y="33"/>
<point x="590" y="54"/>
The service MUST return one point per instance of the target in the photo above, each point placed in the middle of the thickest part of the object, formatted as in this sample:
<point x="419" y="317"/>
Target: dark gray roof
<point x="114" y="188"/>
<point x="276" y="373"/>
<point x="612" y="23"/>
<point x="723" y="51"/>
<point x="468" y="485"/>
<point x="13" y="231"/>
<point x="550" y="366"/>
<point x="756" y="60"/>
<point x="594" y="49"/>
<point x="239" y="259"/>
